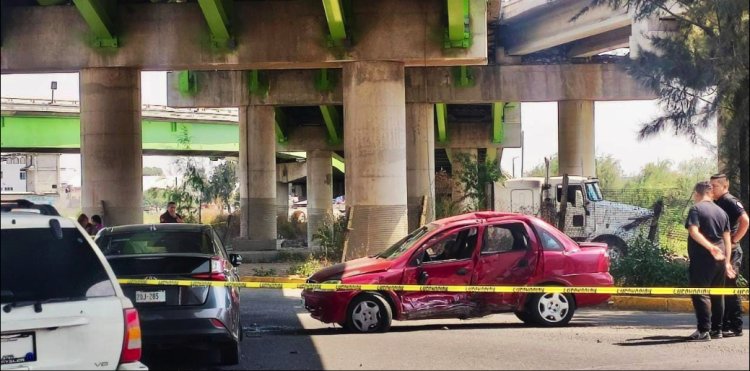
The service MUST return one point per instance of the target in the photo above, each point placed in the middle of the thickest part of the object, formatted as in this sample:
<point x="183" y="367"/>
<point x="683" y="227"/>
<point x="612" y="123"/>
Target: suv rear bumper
<point x="132" y="366"/>
<point x="184" y="327"/>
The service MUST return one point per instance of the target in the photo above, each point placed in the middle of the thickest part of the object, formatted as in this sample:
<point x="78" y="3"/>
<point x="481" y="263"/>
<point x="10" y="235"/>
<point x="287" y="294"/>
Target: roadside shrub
<point x="445" y="207"/>
<point x="291" y="229"/>
<point x="649" y="265"/>
<point x="264" y="272"/>
<point x="306" y="268"/>
<point x="330" y="238"/>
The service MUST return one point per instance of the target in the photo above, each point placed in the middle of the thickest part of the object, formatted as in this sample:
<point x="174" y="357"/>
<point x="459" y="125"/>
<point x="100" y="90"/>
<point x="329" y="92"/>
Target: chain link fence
<point x="676" y="203"/>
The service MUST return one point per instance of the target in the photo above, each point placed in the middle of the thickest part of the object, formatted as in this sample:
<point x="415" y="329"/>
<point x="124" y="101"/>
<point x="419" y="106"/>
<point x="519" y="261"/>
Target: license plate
<point x="18" y="348"/>
<point x="150" y="296"/>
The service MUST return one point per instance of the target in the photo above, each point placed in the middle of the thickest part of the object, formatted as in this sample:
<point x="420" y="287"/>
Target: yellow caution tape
<point x="438" y="288"/>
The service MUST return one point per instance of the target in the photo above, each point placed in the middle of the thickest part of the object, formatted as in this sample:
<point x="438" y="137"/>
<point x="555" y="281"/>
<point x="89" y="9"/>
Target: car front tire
<point x="369" y="313"/>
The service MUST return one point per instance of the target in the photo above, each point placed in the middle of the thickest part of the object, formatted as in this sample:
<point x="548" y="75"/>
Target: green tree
<point x="609" y="172"/>
<point x="223" y="183"/>
<point x="700" y="72"/>
<point x="474" y="177"/>
<point x="539" y="170"/>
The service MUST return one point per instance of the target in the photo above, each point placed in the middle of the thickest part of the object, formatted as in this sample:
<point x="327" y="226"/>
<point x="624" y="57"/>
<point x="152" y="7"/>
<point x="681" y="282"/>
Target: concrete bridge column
<point x="257" y="179"/>
<point x="282" y="201"/>
<point x="111" y="145"/>
<point x="420" y="161"/>
<point x="375" y="150"/>
<point x="575" y="137"/>
<point x="319" y="191"/>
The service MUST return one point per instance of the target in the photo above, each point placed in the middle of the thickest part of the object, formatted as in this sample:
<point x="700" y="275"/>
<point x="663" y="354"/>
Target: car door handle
<point x="462" y="271"/>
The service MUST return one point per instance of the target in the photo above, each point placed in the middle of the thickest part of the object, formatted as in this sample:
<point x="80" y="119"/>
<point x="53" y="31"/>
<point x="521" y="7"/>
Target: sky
<point x="616" y="125"/>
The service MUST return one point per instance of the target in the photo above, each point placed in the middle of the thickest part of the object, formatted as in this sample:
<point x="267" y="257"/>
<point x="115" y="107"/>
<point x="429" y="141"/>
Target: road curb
<point x="662" y="304"/>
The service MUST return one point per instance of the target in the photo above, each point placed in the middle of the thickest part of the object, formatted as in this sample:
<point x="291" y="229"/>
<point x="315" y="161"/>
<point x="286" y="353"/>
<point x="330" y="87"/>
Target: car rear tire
<point x="369" y="313"/>
<point x="524" y="317"/>
<point x="230" y="353"/>
<point x="550" y="309"/>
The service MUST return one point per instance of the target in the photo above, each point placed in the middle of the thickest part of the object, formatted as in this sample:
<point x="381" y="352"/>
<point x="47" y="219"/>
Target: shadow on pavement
<point x="653" y="340"/>
<point x="265" y="315"/>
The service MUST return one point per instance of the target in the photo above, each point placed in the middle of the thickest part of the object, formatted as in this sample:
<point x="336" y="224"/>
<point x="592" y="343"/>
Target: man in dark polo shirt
<point x="738" y="223"/>
<point x="708" y="245"/>
<point x="170" y="216"/>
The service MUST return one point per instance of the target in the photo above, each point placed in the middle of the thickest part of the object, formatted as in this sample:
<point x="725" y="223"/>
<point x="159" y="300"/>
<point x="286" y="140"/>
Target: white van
<point x="62" y="307"/>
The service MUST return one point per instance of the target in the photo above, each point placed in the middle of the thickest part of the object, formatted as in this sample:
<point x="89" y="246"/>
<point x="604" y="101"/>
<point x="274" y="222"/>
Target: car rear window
<point x="156" y="242"/>
<point x="37" y="266"/>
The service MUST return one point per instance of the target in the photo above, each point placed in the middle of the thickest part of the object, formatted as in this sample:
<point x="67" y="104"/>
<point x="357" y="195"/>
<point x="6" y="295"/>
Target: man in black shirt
<point x="170" y="216"/>
<point x="738" y="222"/>
<point x="708" y="245"/>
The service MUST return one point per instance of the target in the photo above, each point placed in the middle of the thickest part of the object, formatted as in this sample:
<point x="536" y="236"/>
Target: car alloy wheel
<point x="369" y="313"/>
<point x="550" y="309"/>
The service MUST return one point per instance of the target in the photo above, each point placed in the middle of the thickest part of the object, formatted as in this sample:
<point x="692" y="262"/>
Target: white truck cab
<point x="589" y="217"/>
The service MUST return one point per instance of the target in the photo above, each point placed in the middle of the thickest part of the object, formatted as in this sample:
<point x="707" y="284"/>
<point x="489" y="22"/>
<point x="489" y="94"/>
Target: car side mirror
<point x="422" y="278"/>
<point x="235" y="259"/>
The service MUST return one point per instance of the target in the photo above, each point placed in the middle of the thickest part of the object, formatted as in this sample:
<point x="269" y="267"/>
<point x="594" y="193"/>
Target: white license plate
<point x="150" y="296"/>
<point x="18" y="348"/>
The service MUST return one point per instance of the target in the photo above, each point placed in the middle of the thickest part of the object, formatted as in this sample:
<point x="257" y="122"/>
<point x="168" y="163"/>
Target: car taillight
<point x="604" y="263"/>
<point x="218" y="267"/>
<point x="131" y="344"/>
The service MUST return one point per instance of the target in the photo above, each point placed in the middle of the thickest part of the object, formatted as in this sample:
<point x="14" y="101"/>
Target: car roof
<point x="167" y="227"/>
<point x="24" y="220"/>
<point x="19" y="204"/>
<point x="484" y="215"/>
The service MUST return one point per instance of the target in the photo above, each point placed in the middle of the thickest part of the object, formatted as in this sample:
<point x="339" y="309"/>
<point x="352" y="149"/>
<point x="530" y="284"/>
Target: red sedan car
<point x="483" y="248"/>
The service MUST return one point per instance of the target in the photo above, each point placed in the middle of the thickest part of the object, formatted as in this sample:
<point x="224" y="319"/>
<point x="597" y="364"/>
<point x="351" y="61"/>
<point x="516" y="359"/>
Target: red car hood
<point x="351" y="268"/>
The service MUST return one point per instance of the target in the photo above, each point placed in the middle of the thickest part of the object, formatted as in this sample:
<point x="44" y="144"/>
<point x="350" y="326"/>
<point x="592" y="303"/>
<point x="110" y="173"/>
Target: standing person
<point x="738" y="223"/>
<point x="96" y="224"/>
<point x="171" y="216"/>
<point x="708" y="245"/>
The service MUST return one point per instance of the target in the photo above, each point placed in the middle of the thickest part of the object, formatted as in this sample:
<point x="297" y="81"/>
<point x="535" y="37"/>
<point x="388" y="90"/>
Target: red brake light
<point x="131" y="344"/>
<point x="218" y="267"/>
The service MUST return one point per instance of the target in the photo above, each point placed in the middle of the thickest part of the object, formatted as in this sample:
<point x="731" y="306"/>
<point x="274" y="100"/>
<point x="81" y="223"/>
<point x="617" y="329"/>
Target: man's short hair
<point x="170" y="203"/>
<point x="702" y="188"/>
<point x="722" y="178"/>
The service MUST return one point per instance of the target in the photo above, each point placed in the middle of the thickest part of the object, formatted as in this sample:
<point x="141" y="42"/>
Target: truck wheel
<point x="369" y="313"/>
<point x="616" y="248"/>
<point x="550" y="309"/>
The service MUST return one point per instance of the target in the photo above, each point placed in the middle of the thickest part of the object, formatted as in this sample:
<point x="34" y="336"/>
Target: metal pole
<point x="523" y="156"/>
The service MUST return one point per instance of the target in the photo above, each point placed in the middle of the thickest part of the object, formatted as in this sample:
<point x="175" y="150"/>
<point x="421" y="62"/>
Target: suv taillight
<point x="131" y="344"/>
<point x="218" y="267"/>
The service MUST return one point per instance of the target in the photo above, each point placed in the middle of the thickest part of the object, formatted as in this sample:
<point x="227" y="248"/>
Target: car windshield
<point x="155" y="242"/>
<point x="593" y="192"/>
<point x="39" y="266"/>
<point x="403" y="245"/>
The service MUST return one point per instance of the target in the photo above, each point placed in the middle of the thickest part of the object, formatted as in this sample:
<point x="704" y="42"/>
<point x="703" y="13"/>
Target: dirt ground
<point x="264" y="269"/>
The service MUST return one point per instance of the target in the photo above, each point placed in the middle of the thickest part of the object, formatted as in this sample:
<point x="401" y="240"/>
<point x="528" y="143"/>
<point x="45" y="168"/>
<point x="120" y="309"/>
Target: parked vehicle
<point x="589" y="217"/>
<point x="62" y="307"/>
<point x="27" y="206"/>
<point x="203" y="317"/>
<point x="483" y="248"/>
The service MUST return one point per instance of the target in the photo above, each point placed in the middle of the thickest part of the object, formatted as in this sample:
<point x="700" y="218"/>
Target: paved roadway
<point x="280" y="335"/>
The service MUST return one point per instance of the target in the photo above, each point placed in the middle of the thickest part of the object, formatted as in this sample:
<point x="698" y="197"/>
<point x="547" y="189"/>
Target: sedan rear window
<point x="38" y="267"/>
<point x="156" y="242"/>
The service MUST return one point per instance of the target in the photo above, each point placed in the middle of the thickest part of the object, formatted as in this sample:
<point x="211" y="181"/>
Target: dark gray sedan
<point x="203" y="317"/>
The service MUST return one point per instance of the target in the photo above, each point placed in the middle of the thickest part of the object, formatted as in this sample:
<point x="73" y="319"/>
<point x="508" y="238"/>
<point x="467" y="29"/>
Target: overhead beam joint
<point x="98" y="14"/>
<point x="216" y="13"/>
<point x="458" y="34"/>
<point x="336" y="22"/>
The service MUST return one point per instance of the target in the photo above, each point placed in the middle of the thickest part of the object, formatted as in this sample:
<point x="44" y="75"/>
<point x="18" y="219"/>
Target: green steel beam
<point x="187" y="83"/>
<point x="216" y="13"/>
<point x="280" y="119"/>
<point x="459" y="31"/>
<point x="257" y="83"/>
<point x="333" y="123"/>
<point x="325" y="80"/>
<point x="498" y="133"/>
<point x="335" y="18"/>
<point x="98" y="15"/>
<point x="338" y="162"/>
<point x="463" y="77"/>
<point x="442" y="117"/>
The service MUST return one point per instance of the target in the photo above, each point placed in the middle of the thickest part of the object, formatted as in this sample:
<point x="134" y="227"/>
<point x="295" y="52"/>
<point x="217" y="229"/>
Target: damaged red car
<point x="482" y="248"/>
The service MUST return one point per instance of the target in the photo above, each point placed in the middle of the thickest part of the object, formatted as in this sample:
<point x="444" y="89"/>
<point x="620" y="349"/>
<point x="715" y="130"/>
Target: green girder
<point x="280" y="120"/>
<point x="463" y="77"/>
<point x="257" y="83"/>
<point x="441" y="112"/>
<point x="335" y="17"/>
<point x="458" y="34"/>
<point x="332" y="119"/>
<point x="98" y="15"/>
<point x="187" y="83"/>
<point x="216" y="13"/>
<point x="325" y="80"/>
<point x="497" y="122"/>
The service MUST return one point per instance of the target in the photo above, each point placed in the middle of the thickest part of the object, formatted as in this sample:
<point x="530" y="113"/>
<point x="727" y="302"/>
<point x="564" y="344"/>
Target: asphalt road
<point x="279" y="334"/>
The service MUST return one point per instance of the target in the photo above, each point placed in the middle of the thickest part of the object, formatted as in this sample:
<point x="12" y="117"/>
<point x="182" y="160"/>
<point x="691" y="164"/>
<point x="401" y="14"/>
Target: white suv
<point x="62" y="307"/>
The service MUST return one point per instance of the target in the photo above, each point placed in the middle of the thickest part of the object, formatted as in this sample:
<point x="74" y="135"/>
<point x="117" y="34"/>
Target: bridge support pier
<point x="375" y="150"/>
<point x="319" y="192"/>
<point x="111" y="145"/>
<point x="575" y="137"/>
<point x="420" y="161"/>
<point x="282" y="202"/>
<point x="257" y="179"/>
